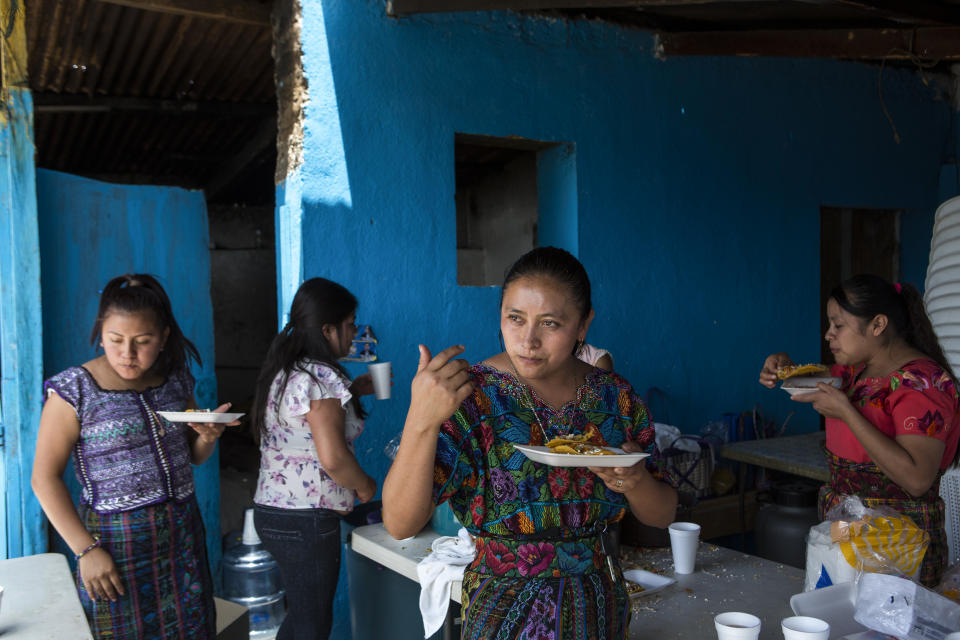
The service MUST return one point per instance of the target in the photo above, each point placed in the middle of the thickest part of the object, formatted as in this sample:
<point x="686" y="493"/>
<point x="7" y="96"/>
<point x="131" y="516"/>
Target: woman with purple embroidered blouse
<point x="306" y="417"/>
<point x="138" y="537"/>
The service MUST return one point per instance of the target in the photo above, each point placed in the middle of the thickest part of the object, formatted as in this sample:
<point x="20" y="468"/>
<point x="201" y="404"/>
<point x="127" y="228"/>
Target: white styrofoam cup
<point x="380" y="372"/>
<point x="684" y="540"/>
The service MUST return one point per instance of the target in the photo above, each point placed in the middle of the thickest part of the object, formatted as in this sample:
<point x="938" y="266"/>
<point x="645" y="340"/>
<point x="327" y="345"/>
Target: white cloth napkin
<point x="437" y="572"/>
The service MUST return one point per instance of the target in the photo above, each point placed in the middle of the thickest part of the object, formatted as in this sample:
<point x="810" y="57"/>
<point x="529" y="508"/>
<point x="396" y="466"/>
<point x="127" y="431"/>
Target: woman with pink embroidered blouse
<point x="893" y="425"/>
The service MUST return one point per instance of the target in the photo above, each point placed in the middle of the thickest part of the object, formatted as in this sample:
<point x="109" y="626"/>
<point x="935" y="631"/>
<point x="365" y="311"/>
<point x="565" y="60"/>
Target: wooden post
<point x="22" y="525"/>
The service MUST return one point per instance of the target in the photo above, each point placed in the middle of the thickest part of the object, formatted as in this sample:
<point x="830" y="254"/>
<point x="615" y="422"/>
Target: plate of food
<point x="590" y="456"/>
<point x="200" y="416"/>
<point x="794" y="386"/>
<point x="804" y="378"/>
<point x="644" y="583"/>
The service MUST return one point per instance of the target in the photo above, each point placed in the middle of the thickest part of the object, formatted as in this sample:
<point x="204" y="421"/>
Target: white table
<point x="724" y="580"/>
<point x="40" y="600"/>
<point x="402" y="556"/>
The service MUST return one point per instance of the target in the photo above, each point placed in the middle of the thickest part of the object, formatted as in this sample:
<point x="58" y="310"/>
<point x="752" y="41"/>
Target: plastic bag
<point x="856" y="539"/>
<point x="949" y="586"/>
<point x="390" y="450"/>
<point x="904" y="609"/>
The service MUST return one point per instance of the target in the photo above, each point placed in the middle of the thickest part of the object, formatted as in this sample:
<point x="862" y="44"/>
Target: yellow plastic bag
<point x="878" y="539"/>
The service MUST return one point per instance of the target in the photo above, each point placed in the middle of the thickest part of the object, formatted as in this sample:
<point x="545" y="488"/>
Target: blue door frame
<point x="22" y="530"/>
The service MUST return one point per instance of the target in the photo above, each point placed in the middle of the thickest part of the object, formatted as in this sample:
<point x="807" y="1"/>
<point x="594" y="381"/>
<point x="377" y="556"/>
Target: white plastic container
<point x="835" y="604"/>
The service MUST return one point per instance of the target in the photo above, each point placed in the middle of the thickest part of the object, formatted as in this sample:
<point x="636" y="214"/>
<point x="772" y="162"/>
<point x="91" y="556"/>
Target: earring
<point x="578" y="348"/>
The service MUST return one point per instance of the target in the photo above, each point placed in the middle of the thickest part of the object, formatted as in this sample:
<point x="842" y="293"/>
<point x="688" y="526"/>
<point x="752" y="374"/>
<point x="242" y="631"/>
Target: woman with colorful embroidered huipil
<point x="893" y="425"/>
<point x="541" y="569"/>
<point x="138" y="538"/>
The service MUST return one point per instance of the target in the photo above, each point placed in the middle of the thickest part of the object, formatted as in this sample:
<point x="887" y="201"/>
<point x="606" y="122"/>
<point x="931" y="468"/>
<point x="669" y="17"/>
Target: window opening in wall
<point x="498" y="203"/>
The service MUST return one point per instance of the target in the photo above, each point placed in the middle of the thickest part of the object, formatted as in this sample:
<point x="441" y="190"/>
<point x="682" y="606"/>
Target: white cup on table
<point x="805" y="628"/>
<point x="736" y="625"/>
<point x="380" y="374"/>
<point x="684" y="540"/>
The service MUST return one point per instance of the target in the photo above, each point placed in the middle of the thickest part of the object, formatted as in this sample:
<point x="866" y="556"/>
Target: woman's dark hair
<point x="139" y="293"/>
<point x="867" y="296"/>
<point x="559" y="265"/>
<point x="318" y="302"/>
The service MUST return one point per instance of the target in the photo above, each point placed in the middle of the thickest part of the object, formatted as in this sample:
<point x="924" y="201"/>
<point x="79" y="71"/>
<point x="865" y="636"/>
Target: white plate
<point x="199" y="416"/>
<point x="651" y="582"/>
<point x="807" y="384"/>
<point x="545" y="456"/>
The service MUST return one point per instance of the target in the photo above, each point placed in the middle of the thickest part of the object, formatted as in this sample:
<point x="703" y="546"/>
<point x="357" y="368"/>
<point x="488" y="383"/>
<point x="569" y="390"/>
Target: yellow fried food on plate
<point x="793" y="370"/>
<point x="567" y="439"/>
<point x="580" y="449"/>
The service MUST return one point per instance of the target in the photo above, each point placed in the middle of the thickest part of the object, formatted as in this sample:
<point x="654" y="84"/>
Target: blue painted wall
<point x="93" y="231"/>
<point x="21" y="528"/>
<point x="699" y="183"/>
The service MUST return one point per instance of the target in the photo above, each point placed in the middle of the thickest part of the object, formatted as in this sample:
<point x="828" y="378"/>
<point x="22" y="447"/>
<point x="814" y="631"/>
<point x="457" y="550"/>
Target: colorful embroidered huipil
<point x="540" y="570"/>
<point x="128" y="456"/>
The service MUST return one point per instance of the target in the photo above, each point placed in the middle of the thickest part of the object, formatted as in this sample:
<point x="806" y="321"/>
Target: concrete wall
<point x="93" y="231"/>
<point x="698" y="185"/>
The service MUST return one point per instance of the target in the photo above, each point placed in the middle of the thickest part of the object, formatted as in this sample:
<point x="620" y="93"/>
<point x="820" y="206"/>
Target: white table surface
<point x="724" y="580"/>
<point x="402" y="556"/>
<point x="40" y="600"/>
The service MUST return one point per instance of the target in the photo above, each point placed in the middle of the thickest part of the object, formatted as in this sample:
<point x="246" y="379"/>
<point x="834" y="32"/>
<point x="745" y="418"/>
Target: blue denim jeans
<point x="306" y="545"/>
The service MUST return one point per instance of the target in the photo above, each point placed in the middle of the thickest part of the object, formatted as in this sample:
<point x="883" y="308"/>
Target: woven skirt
<point x="161" y="555"/>
<point x="560" y="590"/>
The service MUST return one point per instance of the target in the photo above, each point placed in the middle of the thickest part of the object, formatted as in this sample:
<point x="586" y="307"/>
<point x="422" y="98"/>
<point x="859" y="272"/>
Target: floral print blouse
<point x="920" y="398"/>
<point x="291" y="476"/>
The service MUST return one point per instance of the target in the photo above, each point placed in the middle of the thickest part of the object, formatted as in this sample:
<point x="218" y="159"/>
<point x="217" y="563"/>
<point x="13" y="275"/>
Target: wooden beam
<point x="910" y="11"/>
<point x="261" y="140"/>
<point x="250" y="12"/>
<point x="940" y="43"/>
<point x="73" y="103"/>
<point x="407" y="7"/>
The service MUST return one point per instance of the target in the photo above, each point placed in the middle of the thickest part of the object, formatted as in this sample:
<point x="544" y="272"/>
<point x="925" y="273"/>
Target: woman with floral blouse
<point x="893" y="425"/>
<point x="306" y="417"/>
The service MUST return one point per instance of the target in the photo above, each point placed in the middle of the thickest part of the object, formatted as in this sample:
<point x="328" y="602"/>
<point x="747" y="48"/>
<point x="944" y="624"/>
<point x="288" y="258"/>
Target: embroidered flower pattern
<point x="559" y="479"/>
<point x="499" y="558"/>
<point x="575" y="557"/>
<point x="504" y="488"/>
<point x="534" y="557"/>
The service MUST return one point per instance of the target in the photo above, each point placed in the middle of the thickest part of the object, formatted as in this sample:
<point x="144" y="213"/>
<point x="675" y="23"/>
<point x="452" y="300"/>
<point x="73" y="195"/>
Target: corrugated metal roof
<point x="144" y="96"/>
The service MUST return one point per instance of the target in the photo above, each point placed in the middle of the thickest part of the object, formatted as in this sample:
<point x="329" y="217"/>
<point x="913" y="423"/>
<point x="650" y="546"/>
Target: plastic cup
<point x="805" y="628"/>
<point x="735" y="625"/>
<point x="684" y="540"/>
<point x="380" y="372"/>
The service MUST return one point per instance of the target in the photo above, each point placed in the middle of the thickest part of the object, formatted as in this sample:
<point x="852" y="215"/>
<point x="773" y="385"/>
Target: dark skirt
<point x="875" y="489"/>
<point x="161" y="555"/>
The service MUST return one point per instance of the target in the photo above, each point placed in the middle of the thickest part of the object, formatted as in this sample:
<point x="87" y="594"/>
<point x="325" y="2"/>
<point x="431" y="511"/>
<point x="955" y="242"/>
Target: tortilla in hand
<point x="793" y="370"/>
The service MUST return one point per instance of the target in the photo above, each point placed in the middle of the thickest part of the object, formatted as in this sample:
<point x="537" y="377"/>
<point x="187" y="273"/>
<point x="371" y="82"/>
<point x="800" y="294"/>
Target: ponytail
<point x="919" y="330"/>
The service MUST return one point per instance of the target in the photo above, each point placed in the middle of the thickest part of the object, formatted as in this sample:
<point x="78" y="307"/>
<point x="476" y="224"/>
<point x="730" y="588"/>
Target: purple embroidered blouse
<point x="127" y="456"/>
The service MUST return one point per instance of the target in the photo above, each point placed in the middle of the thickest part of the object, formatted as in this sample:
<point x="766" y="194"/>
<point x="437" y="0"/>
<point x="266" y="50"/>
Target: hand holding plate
<point x="210" y="431"/>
